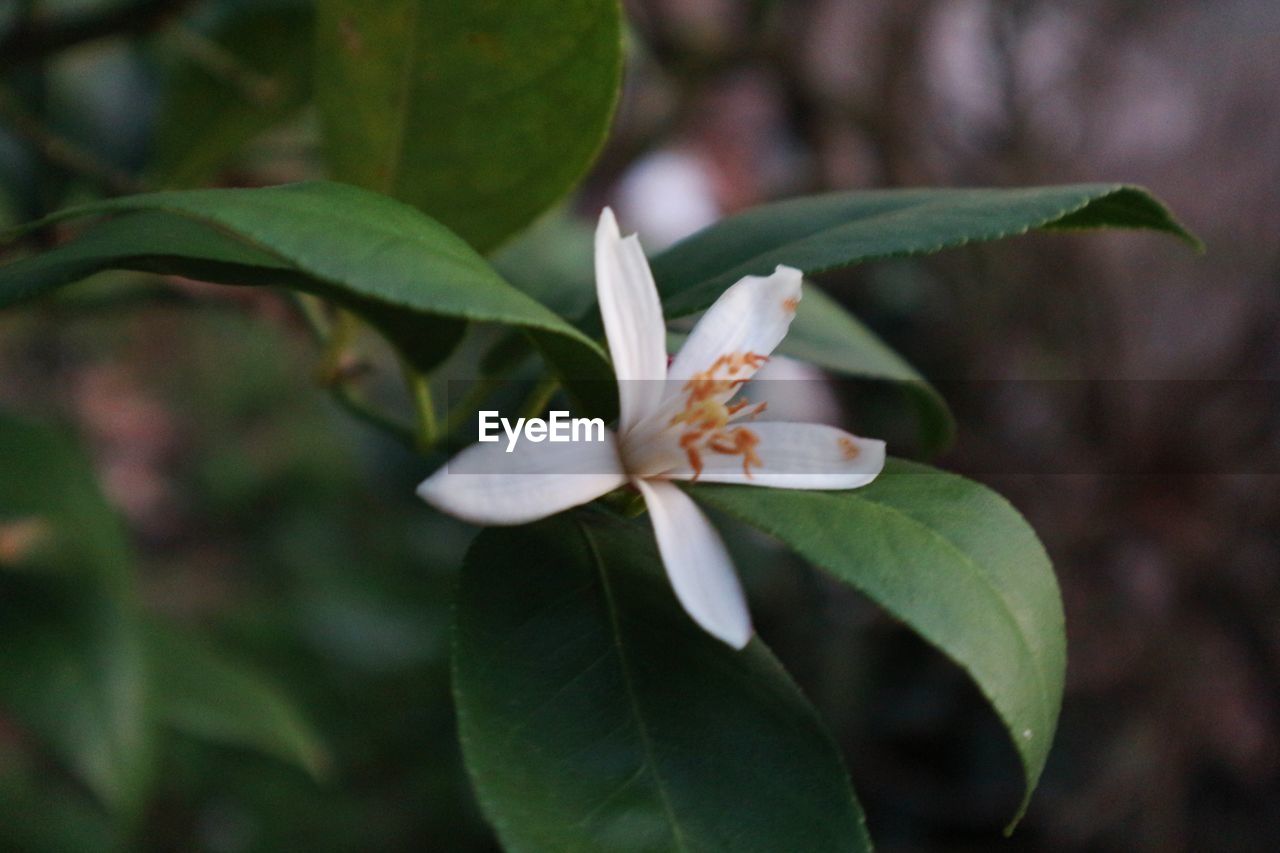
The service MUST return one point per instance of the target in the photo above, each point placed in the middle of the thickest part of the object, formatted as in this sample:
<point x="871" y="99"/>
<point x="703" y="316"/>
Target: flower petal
<point x="751" y="317"/>
<point x="486" y="485"/>
<point x="633" y="320"/>
<point x="697" y="563"/>
<point x="794" y="456"/>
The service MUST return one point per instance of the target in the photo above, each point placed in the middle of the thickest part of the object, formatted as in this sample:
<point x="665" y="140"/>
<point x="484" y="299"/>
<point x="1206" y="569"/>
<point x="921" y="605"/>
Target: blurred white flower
<point x="668" y="195"/>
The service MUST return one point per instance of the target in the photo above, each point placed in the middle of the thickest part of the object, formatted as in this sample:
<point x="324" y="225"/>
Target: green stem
<point x="61" y="152"/>
<point x="468" y="405"/>
<point x="37" y="42"/>
<point x="538" y="399"/>
<point x="312" y="309"/>
<point x="354" y="405"/>
<point x="260" y="90"/>
<point x="334" y="337"/>
<point x="337" y="343"/>
<point x="423" y="404"/>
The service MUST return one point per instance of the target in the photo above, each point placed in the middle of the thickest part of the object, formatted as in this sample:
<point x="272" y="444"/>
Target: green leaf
<point x="480" y="114"/>
<point x="824" y="232"/>
<point x="825" y="334"/>
<point x="199" y="692"/>
<point x="254" y="74"/>
<point x="552" y="262"/>
<point x="594" y="714"/>
<point x="72" y="671"/>
<point x="951" y="559"/>
<point x="403" y="271"/>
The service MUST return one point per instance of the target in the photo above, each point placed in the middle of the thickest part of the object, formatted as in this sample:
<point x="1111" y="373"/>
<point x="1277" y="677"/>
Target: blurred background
<point x="1122" y="392"/>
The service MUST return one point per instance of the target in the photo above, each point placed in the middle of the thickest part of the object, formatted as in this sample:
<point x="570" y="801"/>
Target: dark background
<point x="270" y="522"/>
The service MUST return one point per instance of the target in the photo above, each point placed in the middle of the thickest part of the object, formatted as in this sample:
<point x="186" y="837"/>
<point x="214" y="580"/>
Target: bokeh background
<point x="1122" y="392"/>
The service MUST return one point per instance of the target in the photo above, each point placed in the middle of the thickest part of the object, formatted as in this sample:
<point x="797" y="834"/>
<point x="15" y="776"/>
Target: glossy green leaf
<point x="825" y="334"/>
<point x="480" y="114"/>
<point x="254" y="73"/>
<point x="72" y="671"/>
<point x="382" y="259"/>
<point x="594" y="714"/>
<point x="951" y="559"/>
<point x="202" y="693"/>
<point x="817" y="233"/>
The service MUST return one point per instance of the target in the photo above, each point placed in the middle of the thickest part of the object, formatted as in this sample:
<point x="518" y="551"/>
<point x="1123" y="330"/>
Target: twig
<point x="540" y="397"/>
<point x="337" y="382"/>
<point x="62" y="152"/>
<point x="29" y="42"/>
<point x="358" y="408"/>
<point x="260" y="90"/>
<point x="469" y="404"/>
<point x="420" y="391"/>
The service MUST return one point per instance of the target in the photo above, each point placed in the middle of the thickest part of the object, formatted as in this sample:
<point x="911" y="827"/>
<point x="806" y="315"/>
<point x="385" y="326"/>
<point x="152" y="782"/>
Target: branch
<point x="28" y="41"/>
<point x="63" y="152"/>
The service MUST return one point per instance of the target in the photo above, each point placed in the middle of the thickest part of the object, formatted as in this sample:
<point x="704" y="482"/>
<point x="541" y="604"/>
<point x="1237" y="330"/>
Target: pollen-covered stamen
<point x="689" y="444"/>
<point x="706" y="415"/>
<point x="738" y="441"/>
<point x="718" y="379"/>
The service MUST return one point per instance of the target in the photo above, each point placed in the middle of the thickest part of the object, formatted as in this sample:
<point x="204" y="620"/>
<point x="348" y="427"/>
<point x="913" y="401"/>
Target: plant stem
<point x="37" y="41"/>
<point x="334" y="337"/>
<point x="312" y="309"/>
<point x="538" y="399"/>
<point x="358" y="408"/>
<point x="420" y="391"/>
<point x="469" y="403"/>
<point x="337" y="343"/>
<point x="61" y="152"/>
<point x="260" y="90"/>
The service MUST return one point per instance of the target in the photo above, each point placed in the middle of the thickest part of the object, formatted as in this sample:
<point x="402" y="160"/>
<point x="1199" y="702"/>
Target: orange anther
<point x="737" y="442"/>
<point x="706" y="414"/>
<point x="695" y="462"/>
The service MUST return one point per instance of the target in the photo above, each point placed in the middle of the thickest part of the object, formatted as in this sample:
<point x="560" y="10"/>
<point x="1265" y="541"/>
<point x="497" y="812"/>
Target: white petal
<point x="795" y="456"/>
<point x="751" y="317"/>
<point x="697" y="563"/>
<point x="633" y="320"/>
<point x="486" y="485"/>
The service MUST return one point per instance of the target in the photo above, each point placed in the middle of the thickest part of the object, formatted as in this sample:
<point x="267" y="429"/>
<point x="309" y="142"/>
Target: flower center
<point x="707" y="414"/>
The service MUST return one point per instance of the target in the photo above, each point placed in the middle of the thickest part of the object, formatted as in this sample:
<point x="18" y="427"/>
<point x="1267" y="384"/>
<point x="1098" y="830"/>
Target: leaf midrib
<point x="823" y="232"/>
<point x="395" y="156"/>
<point x="646" y="739"/>
<point x="301" y="265"/>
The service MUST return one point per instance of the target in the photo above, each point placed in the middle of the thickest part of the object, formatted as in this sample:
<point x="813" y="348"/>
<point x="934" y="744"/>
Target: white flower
<point x="676" y="422"/>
